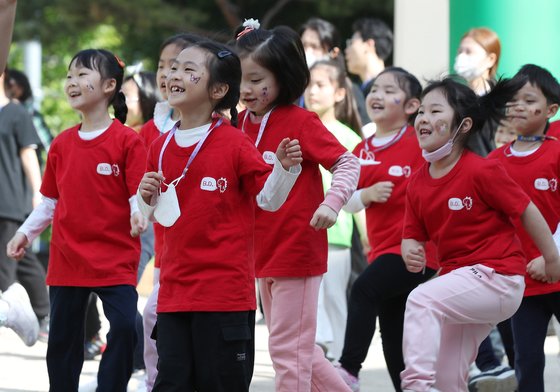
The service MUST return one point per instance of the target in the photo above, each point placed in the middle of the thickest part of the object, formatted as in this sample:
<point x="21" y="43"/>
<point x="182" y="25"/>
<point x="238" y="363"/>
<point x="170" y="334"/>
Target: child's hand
<point x="289" y="153"/>
<point x="379" y="192"/>
<point x="149" y="185"/>
<point x="413" y="255"/>
<point x="552" y="268"/>
<point x="16" y="247"/>
<point x="536" y="269"/>
<point x="323" y="218"/>
<point x="138" y="224"/>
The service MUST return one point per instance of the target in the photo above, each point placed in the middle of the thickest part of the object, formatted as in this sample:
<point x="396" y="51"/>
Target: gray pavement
<point x="23" y="368"/>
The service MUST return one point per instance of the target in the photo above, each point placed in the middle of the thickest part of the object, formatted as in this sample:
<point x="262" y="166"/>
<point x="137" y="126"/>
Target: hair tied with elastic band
<point x="250" y="25"/>
<point x="224" y="53"/>
<point x="120" y="62"/>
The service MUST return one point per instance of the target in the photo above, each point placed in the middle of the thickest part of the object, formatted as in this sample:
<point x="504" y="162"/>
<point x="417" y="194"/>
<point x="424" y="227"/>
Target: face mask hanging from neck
<point x="444" y="150"/>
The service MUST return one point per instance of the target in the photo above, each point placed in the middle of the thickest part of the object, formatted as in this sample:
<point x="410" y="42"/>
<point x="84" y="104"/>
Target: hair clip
<point x="250" y="25"/>
<point x="224" y="53"/>
<point x="120" y="62"/>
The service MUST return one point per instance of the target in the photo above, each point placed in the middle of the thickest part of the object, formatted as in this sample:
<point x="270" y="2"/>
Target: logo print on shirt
<point x="208" y="184"/>
<point x="367" y="158"/>
<point x="222" y="185"/>
<point x="396" y="171"/>
<point x="407" y="171"/>
<point x="104" y="169"/>
<point x="457" y="204"/>
<point x="268" y="157"/>
<point x="116" y="170"/>
<point x="542" y="184"/>
<point x="467" y="202"/>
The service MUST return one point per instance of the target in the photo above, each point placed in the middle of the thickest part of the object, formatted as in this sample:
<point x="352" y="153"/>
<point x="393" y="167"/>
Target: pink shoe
<point x="352" y="381"/>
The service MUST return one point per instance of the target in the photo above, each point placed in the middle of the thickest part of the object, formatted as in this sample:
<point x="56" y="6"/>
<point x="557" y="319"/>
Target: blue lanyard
<point x="536" y="138"/>
<point x="261" y="127"/>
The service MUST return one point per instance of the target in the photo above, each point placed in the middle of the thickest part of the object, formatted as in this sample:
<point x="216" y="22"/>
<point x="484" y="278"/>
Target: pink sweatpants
<point x="447" y="318"/>
<point x="290" y="310"/>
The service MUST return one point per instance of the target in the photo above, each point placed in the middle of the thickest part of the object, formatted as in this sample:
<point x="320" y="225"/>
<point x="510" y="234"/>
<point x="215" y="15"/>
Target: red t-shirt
<point x="385" y="220"/>
<point x="554" y="129"/>
<point x="467" y="214"/>
<point x="91" y="244"/>
<point x="287" y="246"/>
<point x="207" y="262"/>
<point x="149" y="132"/>
<point x="537" y="174"/>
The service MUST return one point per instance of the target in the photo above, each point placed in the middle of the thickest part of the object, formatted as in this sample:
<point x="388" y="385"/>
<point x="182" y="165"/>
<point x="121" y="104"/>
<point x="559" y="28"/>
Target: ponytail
<point x="119" y="106"/>
<point x="233" y="116"/>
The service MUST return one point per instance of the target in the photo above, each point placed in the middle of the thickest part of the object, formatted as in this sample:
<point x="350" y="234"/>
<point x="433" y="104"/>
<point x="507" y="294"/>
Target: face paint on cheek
<point x="397" y="101"/>
<point x="90" y="87"/>
<point x="538" y="112"/>
<point x="441" y="126"/>
<point x="195" y="79"/>
<point x="264" y="95"/>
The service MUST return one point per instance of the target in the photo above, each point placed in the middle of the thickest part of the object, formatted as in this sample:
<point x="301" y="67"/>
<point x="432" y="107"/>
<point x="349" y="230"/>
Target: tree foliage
<point x="135" y="29"/>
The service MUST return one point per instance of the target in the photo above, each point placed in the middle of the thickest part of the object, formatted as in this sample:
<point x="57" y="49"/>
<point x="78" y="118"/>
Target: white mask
<point x="444" y="150"/>
<point x="167" y="210"/>
<point x="468" y="67"/>
<point x="311" y="58"/>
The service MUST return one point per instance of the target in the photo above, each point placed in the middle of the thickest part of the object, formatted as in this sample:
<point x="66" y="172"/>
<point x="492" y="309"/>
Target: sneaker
<point x="352" y="381"/>
<point x="44" y="329"/>
<point x="20" y="316"/>
<point x="93" y="348"/>
<point x="499" y="379"/>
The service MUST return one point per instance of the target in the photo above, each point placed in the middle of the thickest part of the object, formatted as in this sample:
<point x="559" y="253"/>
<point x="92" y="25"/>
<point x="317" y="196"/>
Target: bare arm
<point x="537" y="228"/>
<point x="32" y="171"/>
<point x="7" y="16"/>
<point x="413" y="254"/>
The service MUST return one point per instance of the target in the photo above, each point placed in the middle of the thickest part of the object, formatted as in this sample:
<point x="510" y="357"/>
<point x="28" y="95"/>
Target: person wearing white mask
<point x="477" y="58"/>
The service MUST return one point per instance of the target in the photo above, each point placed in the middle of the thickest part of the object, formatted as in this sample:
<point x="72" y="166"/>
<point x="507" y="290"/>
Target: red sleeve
<point x="318" y="144"/>
<point x="497" y="189"/>
<point x="135" y="163"/>
<point x="49" y="186"/>
<point x="252" y="169"/>
<point x="413" y="227"/>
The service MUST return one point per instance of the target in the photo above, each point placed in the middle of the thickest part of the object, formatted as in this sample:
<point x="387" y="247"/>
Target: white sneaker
<point x="500" y="379"/>
<point x="20" y="316"/>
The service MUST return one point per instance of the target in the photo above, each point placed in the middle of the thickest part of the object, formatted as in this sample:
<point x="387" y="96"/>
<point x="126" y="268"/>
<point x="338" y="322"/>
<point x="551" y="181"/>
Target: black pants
<point x="205" y="351"/>
<point x="65" y="352"/>
<point x="380" y="291"/>
<point x="28" y="271"/>
<point x="530" y="325"/>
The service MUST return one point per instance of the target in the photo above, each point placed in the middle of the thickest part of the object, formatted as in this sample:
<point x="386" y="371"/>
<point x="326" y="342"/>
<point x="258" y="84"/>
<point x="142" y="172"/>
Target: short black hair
<point x="19" y="78"/>
<point x="182" y="40"/>
<point x="327" y="32"/>
<point x="543" y="79"/>
<point x="407" y="81"/>
<point x="379" y="31"/>
<point x="148" y="92"/>
<point x="281" y="52"/>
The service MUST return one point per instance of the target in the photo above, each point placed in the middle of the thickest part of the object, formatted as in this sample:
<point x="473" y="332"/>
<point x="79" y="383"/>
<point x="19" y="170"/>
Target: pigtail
<point x="119" y="106"/>
<point x="233" y="116"/>
<point x="492" y="105"/>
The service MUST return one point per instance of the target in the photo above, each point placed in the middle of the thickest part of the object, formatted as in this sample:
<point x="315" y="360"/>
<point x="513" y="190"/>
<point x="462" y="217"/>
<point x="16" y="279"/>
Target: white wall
<point x="421" y="43"/>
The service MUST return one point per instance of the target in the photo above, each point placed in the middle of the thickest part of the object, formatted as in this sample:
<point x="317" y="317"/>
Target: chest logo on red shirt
<point x="399" y="171"/>
<point x="210" y="184"/>
<point x="456" y="204"/>
<point x="268" y="157"/>
<point x="542" y="184"/>
<point x="106" y="169"/>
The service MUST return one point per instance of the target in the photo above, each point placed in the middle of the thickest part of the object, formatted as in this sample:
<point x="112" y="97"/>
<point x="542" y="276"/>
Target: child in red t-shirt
<point x="212" y="173"/>
<point x="291" y="251"/>
<point x="533" y="161"/>
<point x="465" y="204"/>
<point x="163" y="120"/>
<point x="388" y="158"/>
<point x="92" y="173"/>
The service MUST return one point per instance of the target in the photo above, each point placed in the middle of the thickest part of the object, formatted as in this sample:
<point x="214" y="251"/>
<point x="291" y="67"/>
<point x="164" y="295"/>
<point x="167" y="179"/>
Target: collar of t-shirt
<point x="380" y="141"/>
<point x="517" y="153"/>
<point x="90" y="135"/>
<point x="188" y="137"/>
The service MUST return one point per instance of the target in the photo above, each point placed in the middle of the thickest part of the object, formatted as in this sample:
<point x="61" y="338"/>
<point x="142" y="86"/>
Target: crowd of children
<point x="457" y="243"/>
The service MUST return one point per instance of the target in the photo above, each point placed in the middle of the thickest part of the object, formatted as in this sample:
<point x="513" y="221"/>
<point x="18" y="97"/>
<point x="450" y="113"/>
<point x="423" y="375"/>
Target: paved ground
<point x="23" y="368"/>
